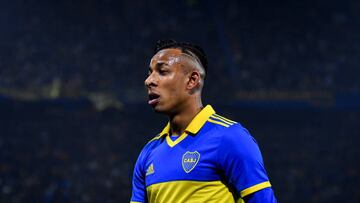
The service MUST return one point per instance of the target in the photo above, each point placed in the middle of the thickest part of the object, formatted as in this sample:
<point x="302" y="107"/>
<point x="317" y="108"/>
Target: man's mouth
<point x="153" y="99"/>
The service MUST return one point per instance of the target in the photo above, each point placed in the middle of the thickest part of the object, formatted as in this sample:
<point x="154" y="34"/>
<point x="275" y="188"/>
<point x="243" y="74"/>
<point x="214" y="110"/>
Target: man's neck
<point x="181" y="120"/>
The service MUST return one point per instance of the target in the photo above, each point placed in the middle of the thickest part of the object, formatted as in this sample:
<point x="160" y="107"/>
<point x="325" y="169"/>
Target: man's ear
<point x="194" y="80"/>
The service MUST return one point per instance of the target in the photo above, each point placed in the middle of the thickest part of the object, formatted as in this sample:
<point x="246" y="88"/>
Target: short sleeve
<point x="264" y="195"/>
<point x="240" y="159"/>
<point x="138" y="181"/>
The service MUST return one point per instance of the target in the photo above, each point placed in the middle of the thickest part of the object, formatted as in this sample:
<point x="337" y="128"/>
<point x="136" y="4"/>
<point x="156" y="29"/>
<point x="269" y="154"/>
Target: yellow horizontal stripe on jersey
<point x="255" y="188"/>
<point x="223" y="120"/>
<point x="218" y="122"/>
<point x="218" y="116"/>
<point x="190" y="192"/>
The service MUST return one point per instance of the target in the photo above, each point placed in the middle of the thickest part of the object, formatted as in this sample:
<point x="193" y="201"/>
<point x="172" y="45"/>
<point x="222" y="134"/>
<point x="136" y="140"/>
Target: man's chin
<point x="158" y="109"/>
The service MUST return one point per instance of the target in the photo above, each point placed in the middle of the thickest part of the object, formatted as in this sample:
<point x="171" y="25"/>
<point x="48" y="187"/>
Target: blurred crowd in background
<point x="105" y="46"/>
<point x="73" y="115"/>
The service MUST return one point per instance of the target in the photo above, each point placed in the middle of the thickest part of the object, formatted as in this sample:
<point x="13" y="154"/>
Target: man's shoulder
<point x="154" y="142"/>
<point x="151" y="145"/>
<point x="229" y="130"/>
<point x="155" y="139"/>
<point x="222" y="124"/>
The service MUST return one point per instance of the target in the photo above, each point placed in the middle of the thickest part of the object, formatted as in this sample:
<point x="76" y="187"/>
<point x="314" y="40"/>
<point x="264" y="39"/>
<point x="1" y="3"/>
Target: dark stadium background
<point x="73" y="112"/>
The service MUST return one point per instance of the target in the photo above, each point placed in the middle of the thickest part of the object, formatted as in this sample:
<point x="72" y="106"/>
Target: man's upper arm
<point x="138" y="181"/>
<point x="241" y="161"/>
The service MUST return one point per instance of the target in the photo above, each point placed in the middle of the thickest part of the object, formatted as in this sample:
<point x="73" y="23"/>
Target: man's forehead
<point x="165" y="55"/>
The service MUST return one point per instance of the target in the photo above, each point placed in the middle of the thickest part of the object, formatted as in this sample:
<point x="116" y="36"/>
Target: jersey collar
<point x="196" y="124"/>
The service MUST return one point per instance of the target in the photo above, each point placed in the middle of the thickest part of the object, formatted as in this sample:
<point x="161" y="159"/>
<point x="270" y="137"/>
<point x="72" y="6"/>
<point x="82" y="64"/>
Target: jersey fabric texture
<point x="214" y="160"/>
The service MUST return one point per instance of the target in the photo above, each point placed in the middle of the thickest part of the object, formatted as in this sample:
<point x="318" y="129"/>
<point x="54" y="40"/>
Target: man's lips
<point x="153" y="99"/>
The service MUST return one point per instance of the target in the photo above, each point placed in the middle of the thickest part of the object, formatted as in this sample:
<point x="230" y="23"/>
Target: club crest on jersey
<point x="190" y="160"/>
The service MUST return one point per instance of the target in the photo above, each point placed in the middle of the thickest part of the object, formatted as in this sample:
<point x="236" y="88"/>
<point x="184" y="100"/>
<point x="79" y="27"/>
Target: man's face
<point x="167" y="81"/>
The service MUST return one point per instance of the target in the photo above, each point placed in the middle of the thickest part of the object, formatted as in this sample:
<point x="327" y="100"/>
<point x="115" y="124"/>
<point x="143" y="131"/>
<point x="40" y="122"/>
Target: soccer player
<point x="199" y="156"/>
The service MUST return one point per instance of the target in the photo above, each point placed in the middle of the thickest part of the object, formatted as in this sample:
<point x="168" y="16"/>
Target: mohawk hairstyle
<point x="185" y="47"/>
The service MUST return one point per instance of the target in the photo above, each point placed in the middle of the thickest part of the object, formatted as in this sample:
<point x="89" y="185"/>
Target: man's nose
<point x="149" y="81"/>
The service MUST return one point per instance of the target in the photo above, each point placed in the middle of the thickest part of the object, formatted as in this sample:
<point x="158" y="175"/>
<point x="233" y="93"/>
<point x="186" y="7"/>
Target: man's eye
<point x="162" y="72"/>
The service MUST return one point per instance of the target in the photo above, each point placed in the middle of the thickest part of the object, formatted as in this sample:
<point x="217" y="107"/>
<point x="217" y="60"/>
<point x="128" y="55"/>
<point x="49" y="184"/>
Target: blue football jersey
<point x="214" y="160"/>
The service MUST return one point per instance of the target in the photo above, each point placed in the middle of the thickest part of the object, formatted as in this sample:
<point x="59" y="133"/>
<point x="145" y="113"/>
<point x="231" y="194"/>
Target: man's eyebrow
<point x="157" y="65"/>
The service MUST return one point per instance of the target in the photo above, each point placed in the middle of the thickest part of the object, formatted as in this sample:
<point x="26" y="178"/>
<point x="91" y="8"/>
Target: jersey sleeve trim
<point x="223" y="119"/>
<point x="135" y="202"/>
<point x="219" y="123"/>
<point x="255" y="188"/>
